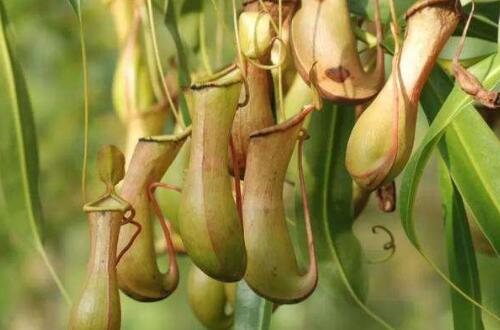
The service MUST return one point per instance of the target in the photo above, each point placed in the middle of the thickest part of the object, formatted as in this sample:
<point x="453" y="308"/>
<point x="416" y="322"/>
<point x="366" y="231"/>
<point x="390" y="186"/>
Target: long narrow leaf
<point x="488" y="216"/>
<point x="329" y="189"/>
<point x="462" y="263"/>
<point x="470" y="150"/>
<point x="458" y="103"/>
<point x="251" y="311"/>
<point x="22" y="144"/>
<point x="76" y="5"/>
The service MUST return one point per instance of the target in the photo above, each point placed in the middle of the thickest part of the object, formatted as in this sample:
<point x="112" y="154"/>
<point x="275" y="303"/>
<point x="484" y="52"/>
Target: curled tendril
<point x="272" y="66"/>
<point x="388" y="246"/>
<point x="128" y="218"/>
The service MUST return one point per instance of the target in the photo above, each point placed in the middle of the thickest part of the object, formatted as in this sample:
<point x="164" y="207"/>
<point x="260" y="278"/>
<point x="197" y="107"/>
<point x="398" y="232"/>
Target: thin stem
<point x="40" y="249"/>
<point x="173" y="269"/>
<point x="150" y="58"/>
<point x="132" y="239"/>
<point x="219" y="39"/>
<point x="175" y="111"/>
<point x="395" y="26"/>
<point x="237" y="37"/>
<point x="278" y="30"/>
<point x="220" y="13"/>
<point x="461" y="45"/>
<point x="203" y="46"/>
<point x="83" y="48"/>
<point x="264" y="8"/>
<point x="280" y="71"/>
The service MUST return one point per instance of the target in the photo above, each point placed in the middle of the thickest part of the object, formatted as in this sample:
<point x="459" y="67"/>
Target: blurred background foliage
<point x="404" y="290"/>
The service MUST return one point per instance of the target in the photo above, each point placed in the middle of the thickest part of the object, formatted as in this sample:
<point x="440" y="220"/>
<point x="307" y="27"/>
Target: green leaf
<point x="75" y="4"/>
<point x="366" y="8"/>
<point x="470" y="150"/>
<point x="184" y="77"/>
<point x="252" y="312"/>
<point x="329" y="190"/>
<point x="480" y="190"/>
<point x="472" y="159"/>
<point x="484" y="24"/>
<point x="21" y="145"/>
<point x="462" y="263"/>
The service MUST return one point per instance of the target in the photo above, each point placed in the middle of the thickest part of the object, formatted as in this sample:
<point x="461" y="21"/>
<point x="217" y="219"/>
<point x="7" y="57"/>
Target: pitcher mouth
<point x="229" y="76"/>
<point x="168" y="138"/>
<point x="293" y="121"/>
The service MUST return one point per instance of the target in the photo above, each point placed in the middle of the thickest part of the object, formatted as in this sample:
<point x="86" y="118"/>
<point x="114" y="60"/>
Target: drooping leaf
<point x="471" y="151"/>
<point x="463" y="167"/>
<point x="252" y="312"/>
<point x="20" y="145"/>
<point x="329" y="190"/>
<point x="472" y="172"/>
<point x="462" y="263"/>
<point x="480" y="190"/>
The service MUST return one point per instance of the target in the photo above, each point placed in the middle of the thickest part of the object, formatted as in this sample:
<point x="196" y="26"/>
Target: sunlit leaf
<point x="471" y="152"/>
<point x="458" y="104"/>
<point x="21" y="144"/>
<point x="251" y="311"/>
<point x="462" y="263"/>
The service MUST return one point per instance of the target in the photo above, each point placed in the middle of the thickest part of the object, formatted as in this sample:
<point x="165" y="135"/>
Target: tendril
<point x="175" y="111"/>
<point x="237" y="38"/>
<point x="271" y="66"/>
<point x="128" y="218"/>
<point x="178" y="247"/>
<point x="265" y="10"/>
<point x="388" y="246"/>
<point x="466" y="80"/>
<point x="165" y="226"/>
<point x="280" y="49"/>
